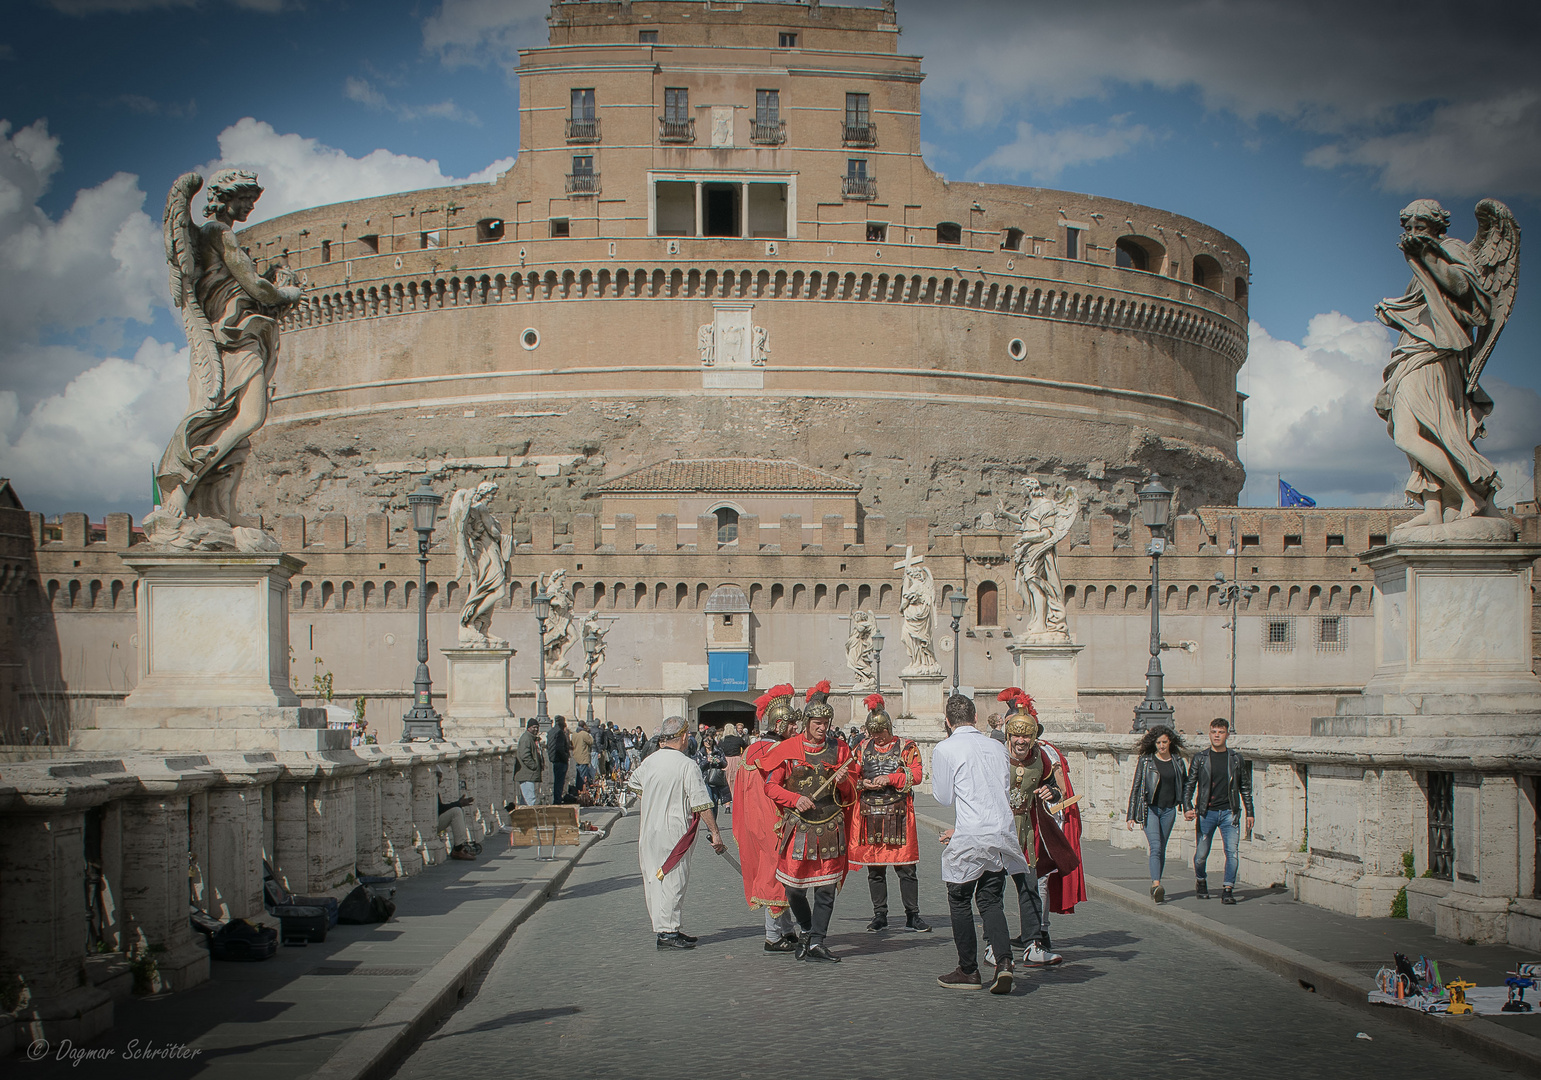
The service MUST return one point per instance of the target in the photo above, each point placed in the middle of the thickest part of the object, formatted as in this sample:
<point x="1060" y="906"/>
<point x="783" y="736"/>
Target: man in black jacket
<point x="1219" y="786"/>
<point x="559" y="751"/>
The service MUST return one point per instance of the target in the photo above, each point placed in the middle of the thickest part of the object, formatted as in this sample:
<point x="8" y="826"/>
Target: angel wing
<point x="1496" y="254"/>
<point x="1067" y="509"/>
<point x="455" y="521"/>
<point x="182" y="260"/>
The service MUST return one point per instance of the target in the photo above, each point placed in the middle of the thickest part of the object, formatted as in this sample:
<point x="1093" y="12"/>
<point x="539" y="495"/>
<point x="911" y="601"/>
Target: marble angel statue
<point x="1042" y="524"/>
<point x="559" y="634"/>
<point x="859" y="650"/>
<point x="593" y="661"/>
<point x="917" y="605"/>
<point x="230" y="313"/>
<point x="483" y="549"/>
<point x="1448" y="321"/>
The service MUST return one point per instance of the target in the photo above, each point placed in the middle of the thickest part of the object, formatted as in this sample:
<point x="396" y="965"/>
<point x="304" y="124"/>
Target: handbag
<point x="716" y="777"/>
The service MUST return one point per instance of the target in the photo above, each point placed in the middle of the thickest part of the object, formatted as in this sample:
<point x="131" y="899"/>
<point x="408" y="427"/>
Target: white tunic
<point x="672" y="789"/>
<point x="971" y="769"/>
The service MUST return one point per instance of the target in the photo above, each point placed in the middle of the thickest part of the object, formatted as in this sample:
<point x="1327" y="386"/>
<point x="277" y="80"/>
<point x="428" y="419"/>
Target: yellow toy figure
<point x="1458" y="990"/>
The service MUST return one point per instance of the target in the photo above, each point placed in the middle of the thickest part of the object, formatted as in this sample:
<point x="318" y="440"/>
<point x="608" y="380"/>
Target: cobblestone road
<point x="581" y="991"/>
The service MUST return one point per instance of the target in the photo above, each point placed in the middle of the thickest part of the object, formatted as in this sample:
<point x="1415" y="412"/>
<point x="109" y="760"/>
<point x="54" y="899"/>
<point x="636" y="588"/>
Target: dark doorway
<point x="719" y="714"/>
<point x="721" y="211"/>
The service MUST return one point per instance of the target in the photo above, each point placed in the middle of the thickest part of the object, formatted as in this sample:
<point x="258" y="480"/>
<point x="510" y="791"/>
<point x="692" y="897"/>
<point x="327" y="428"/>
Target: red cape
<point x="1068" y="890"/>
<point x="791" y="870"/>
<point x="754" y="822"/>
<point x="908" y="854"/>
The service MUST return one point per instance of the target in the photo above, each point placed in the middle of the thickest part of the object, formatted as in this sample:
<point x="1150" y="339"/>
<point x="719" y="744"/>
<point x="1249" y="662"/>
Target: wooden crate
<point x="523" y="822"/>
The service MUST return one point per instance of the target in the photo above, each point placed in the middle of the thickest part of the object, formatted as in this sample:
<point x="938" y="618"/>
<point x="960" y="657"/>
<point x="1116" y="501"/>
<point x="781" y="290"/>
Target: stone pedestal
<point x="1048" y="673"/>
<point x="920" y="718"/>
<point x="477" y="695"/>
<point x="1452" y="644"/>
<point x="562" y="698"/>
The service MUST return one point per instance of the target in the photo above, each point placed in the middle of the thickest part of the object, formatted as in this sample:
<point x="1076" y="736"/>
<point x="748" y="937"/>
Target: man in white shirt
<point x="675" y="803"/>
<point x="970" y="769"/>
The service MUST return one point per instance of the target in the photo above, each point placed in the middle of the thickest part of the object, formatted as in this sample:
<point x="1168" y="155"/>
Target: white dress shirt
<point x="970" y="769"/>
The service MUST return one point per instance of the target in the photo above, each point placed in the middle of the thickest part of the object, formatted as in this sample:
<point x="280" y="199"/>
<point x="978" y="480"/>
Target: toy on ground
<point x="1518" y="984"/>
<point x="1458" y="988"/>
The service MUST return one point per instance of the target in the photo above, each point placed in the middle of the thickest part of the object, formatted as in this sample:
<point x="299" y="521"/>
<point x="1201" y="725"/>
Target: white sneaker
<point x="990" y="956"/>
<point x="1038" y="956"/>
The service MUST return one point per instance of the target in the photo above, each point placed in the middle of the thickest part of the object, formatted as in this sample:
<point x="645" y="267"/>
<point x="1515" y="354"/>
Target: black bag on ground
<point x="275" y="896"/>
<point x="361" y="907"/>
<point x="241" y="940"/>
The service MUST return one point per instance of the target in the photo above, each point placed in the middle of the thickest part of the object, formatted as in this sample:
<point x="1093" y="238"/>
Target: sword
<point x="726" y="854"/>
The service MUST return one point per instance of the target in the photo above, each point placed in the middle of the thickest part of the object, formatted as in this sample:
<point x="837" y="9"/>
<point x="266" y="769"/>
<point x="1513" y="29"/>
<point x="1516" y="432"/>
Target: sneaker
<point x="958" y="979"/>
<point x="1227" y="895"/>
<point x="673" y="941"/>
<point x="1038" y="956"/>
<point x="879" y="922"/>
<point x="476" y="849"/>
<point x="817" y="952"/>
<point x="801" y="947"/>
<point x="1002" y="983"/>
<point x="463" y="853"/>
<point x="785" y="944"/>
<point x="688" y="938"/>
<point x="1157" y="893"/>
<point x="1043" y="939"/>
<point x="916" y="923"/>
<point x="990" y="955"/>
<point x="1201" y="889"/>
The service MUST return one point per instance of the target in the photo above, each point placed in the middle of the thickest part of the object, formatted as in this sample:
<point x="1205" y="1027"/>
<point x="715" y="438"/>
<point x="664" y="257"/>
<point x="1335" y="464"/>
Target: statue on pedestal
<point x="1449" y="320"/>
<point x="559" y="634"/>
<point x="485" y="549"/>
<point x="593" y="661"/>
<point x="917" y="605"/>
<point x="1042" y="524"/>
<point x="230" y="314"/>
<point x="859" y="650"/>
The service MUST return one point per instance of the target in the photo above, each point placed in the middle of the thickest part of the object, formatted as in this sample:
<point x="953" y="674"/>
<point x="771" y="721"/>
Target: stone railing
<point x="122" y="846"/>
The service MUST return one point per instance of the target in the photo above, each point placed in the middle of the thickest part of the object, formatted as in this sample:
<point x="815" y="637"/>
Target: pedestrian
<point x="1160" y="779"/>
<point x="530" y="762"/>
<point x="1220" y="782"/>
<point x="997" y="731"/>
<point x="970" y="770"/>
<point x="732" y="747"/>
<point x="714" y="770"/>
<point x="452" y="819"/>
<point x="583" y="754"/>
<point x="1034" y="788"/>
<point x="883" y="832"/>
<point x="633" y="742"/>
<point x="674" y="804"/>
<point x="559" y="751"/>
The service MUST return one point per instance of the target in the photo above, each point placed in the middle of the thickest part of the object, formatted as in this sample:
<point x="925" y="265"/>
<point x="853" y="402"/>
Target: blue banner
<point x="1288" y="496"/>
<point x="727" y="672"/>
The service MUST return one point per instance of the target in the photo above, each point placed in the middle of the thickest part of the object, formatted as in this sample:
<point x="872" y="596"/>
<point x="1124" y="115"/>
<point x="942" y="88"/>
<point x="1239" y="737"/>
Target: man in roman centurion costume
<point x="810" y="777"/>
<point x="883" y="825"/>
<point x="756" y="819"/>
<point x="1035" y="787"/>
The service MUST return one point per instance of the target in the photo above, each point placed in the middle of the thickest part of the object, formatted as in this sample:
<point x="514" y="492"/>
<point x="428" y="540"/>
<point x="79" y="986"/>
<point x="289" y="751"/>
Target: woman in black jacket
<point x="1157" y="796"/>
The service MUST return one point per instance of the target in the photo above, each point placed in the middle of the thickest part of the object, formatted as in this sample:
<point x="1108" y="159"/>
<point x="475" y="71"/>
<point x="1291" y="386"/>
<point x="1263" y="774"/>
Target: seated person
<point x="453" y="818"/>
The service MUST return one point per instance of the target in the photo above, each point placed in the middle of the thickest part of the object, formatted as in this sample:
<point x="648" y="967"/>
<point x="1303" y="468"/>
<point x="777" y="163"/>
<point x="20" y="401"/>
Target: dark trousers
<point x="558" y="780"/>
<point x="812" y="921"/>
<point x="987" y="891"/>
<point x="909" y="889"/>
<point x="1030" y="903"/>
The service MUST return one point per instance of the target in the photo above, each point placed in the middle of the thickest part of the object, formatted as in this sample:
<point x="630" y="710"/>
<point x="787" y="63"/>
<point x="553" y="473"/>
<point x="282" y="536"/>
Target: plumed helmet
<point x="1023" y="718"/>
<point x="878" y="719"/>
<point x="778" y="714"/>
<point x="817" y="699"/>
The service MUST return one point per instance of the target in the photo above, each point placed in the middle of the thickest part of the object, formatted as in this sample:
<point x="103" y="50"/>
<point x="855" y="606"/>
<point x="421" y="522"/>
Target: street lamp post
<point x="590" y="647"/>
<point x="958" y="602"/>
<point x="877" y="660"/>
<point x="1232" y="593"/>
<point x="421" y="722"/>
<point x="1155" y="506"/>
<point x="542" y="605"/>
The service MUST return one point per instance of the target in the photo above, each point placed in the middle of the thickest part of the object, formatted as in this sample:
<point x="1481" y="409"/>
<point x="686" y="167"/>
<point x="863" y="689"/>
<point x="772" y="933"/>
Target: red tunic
<point x="1067" y="890"/>
<point x="755" y="822"/>
<point x="792" y="869"/>
<point x="865" y="846"/>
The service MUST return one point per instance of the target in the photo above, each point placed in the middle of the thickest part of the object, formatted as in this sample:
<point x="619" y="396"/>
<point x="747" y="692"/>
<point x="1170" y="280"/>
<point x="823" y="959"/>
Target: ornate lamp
<point x="542" y="604"/>
<point x="958" y="602"/>
<point x="877" y="659"/>
<point x="590" y="648"/>
<point x="1155" y="508"/>
<point x="421" y="722"/>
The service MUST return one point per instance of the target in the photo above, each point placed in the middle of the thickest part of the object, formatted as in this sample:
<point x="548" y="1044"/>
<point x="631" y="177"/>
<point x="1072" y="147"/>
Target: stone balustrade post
<point x="396" y="814"/>
<point x="292" y="792"/>
<point x="368" y="813"/>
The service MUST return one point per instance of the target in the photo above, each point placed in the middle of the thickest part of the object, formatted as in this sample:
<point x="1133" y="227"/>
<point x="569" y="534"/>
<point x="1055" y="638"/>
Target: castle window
<point x="727" y="525"/>
<point x="583" y="104"/>
<point x="949" y="232"/>
<point x="560" y="227"/>
<point x="1279" y="635"/>
<point x="647" y="37"/>
<point x="1250" y="540"/>
<point x="583" y="180"/>
<point x="1073" y="244"/>
<point x="1241" y="291"/>
<point x="1441" y="795"/>
<point x="582" y="124"/>
<point x="787" y="41"/>
<point x="1377" y="540"/>
<point x="1334" y="539"/>
<point x="877" y="232"/>
<point x="768" y="129"/>
<point x="859" y="129"/>
<point x="1292" y="540"/>
<point x="987" y="608"/>
<point x="676" y="124"/>
<point x="326" y="251"/>
<point x="488" y="230"/>
<point x="371" y="243"/>
<point x="1207" y="273"/>
<point x="431" y="239"/>
<point x="1330" y="634"/>
<point x="1139" y="253"/>
<point x="857" y="184"/>
<point x="1013" y="241"/>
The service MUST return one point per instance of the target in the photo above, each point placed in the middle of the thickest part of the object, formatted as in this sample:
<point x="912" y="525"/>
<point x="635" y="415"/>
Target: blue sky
<point x="1298" y="128"/>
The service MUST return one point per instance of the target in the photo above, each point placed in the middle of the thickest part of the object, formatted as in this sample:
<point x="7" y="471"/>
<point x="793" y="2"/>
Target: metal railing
<point x="676" y="131"/>
<point x="859" y="187"/>
<point x="583" y="183"/>
<point x="859" y="134"/>
<point x="583" y="131"/>
<point x="768" y="133"/>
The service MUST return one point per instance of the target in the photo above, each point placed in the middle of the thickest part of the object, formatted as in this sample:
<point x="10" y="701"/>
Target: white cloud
<point x="298" y="172"/>
<point x="1311" y="419"/>
<point x="464" y="32"/>
<point x="1043" y="155"/>
<point x="367" y="94"/>
<point x="92" y="446"/>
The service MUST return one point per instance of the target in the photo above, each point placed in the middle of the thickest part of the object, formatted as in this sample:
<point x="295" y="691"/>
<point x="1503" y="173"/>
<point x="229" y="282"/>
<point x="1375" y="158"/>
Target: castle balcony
<point x="583" y="131"/>
<point x="859" y="187"/>
<point x="585" y="183"/>
<point x="771" y="133"/>
<point x="676" y="131"/>
<point x="859" y="134"/>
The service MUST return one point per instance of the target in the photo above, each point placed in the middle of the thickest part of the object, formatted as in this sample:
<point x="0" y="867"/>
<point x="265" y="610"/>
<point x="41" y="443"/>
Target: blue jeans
<point x="527" y="792"/>
<point x="1230" y="835"/>
<point x="1158" y="830"/>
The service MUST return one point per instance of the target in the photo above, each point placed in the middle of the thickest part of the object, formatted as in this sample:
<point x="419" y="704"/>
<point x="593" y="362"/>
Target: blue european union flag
<point x="1288" y="496"/>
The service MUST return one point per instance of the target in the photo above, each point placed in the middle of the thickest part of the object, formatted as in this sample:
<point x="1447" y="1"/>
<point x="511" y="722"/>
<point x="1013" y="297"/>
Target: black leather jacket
<point x="1146" y="778"/>
<point x="1240" y="786"/>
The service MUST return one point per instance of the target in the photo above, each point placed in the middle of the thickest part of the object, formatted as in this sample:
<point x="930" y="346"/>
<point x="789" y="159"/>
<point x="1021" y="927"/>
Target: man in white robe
<point x="675" y="802"/>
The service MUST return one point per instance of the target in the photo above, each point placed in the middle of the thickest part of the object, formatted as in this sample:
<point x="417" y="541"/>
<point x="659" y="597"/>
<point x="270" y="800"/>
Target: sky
<point x="1300" y="128"/>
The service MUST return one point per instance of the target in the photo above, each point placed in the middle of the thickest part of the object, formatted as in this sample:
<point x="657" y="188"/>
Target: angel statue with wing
<point x="560" y="633"/>
<point x="860" y="648"/>
<point x="1449" y="320"/>
<point x="230" y="313"/>
<point x="483" y="548"/>
<point x="1043" y="523"/>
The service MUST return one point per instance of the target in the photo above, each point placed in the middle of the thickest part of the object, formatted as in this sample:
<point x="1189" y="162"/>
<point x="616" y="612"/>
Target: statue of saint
<point x="558" y="637"/>
<point x="917" y="604"/>
<point x="859" y="650"/>
<point x="1449" y="320"/>
<point x="230" y="314"/>
<point x="593" y="661"/>
<point x="1043" y="523"/>
<point x="483" y="548"/>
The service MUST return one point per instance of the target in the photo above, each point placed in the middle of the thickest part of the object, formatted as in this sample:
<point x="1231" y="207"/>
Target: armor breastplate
<point x="817" y="833"/>
<point x="884" y="811"/>
<point x="1025" y="779"/>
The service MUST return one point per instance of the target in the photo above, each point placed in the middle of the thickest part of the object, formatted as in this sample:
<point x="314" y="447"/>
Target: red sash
<point x="680" y="848"/>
